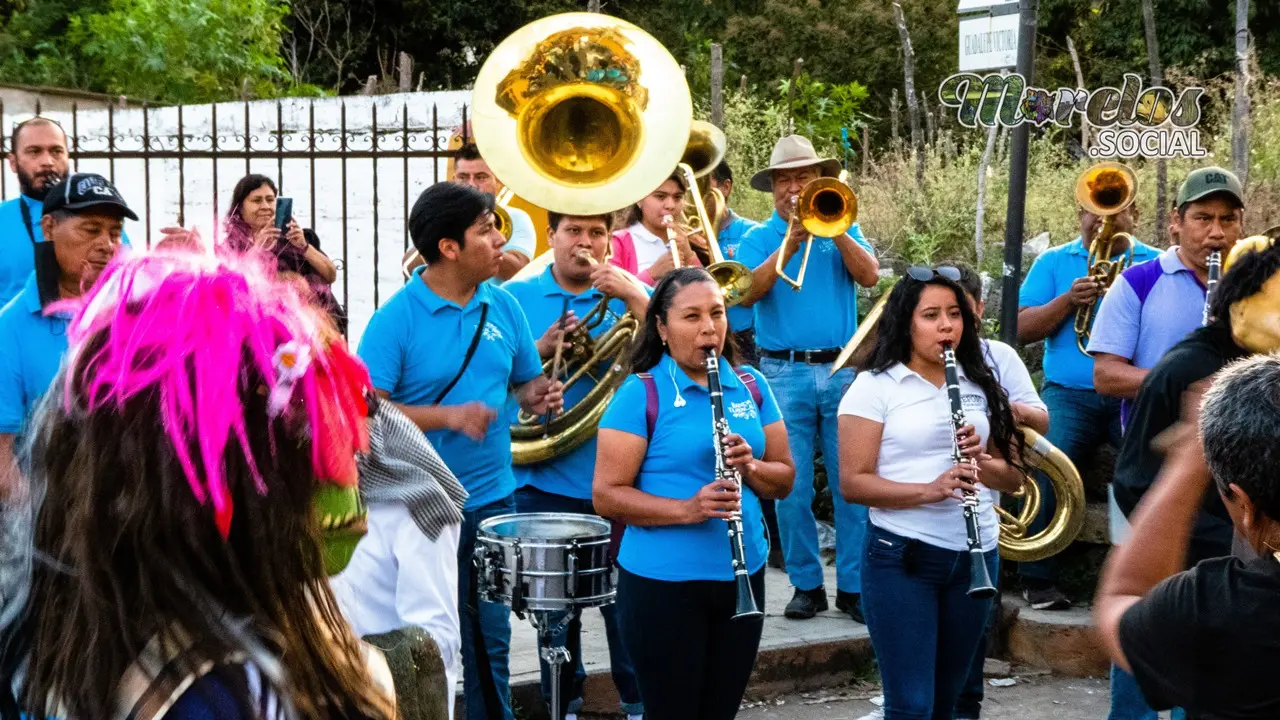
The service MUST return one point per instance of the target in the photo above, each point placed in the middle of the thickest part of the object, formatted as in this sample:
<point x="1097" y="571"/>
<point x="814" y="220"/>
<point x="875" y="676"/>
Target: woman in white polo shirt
<point x="895" y="457"/>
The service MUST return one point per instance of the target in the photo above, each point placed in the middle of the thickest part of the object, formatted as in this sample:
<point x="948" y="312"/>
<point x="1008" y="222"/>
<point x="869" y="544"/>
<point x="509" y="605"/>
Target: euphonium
<point x="1105" y="190"/>
<point x="826" y="207"/>
<point x="1016" y="543"/>
<point x="605" y="357"/>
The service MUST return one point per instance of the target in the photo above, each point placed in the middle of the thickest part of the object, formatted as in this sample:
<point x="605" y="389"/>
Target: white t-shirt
<point x="1012" y="374"/>
<point x="649" y="247"/>
<point x="915" y="447"/>
<point x="524" y="238"/>
<point x="398" y="577"/>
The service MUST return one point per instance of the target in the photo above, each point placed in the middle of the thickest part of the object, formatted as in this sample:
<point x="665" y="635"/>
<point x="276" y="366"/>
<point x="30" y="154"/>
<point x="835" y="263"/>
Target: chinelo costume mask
<point x="1255" y="320"/>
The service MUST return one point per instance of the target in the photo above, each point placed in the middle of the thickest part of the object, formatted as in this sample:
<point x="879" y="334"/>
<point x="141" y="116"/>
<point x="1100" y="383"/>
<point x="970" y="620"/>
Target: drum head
<point x="545" y="526"/>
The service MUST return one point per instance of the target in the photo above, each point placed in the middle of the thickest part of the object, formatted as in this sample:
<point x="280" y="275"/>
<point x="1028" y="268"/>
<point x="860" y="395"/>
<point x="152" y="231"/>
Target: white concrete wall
<point x="157" y="203"/>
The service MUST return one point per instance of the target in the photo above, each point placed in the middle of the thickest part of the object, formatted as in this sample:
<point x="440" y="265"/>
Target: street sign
<point x="989" y="41"/>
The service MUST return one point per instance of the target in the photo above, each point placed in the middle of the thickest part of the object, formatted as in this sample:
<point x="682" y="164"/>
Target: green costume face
<point x="343" y="520"/>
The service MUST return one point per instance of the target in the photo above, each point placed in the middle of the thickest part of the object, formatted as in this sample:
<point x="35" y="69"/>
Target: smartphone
<point x="284" y="213"/>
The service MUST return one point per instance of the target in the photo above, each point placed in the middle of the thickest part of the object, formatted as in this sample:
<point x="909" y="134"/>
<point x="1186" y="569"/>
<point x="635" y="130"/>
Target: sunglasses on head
<point x="922" y="273"/>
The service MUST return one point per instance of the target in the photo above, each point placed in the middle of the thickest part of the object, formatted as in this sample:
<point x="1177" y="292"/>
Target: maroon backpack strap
<point x="753" y="387"/>
<point x="650" y="402"/>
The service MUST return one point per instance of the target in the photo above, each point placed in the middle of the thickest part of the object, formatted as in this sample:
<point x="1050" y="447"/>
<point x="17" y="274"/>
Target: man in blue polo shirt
<point x="1154" y="305"/>
<point x="563" y="483"/>
<point x="729" y="235"/>
<point x="799" y="334"/>
<point x="82" y="219"/>
<point x="446" y="348"/>
<point x="39" y="159"/>
<point x="1150" y="308"/>
<point x="1055" y="289"/>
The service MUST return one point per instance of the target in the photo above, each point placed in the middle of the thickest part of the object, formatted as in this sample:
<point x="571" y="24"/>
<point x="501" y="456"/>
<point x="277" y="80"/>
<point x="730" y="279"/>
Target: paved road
<point x="1032" y="698"/>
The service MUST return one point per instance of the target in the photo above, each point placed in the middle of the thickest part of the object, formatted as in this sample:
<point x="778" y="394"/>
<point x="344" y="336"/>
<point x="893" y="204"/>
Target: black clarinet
<point x="980" y="586"/>
<point x="747" y="607"/>
<point x="1215" y="272"/>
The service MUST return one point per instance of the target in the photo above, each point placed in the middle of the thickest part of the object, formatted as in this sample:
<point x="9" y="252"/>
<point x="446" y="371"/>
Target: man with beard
<point x="82" y="219"/>
<point x="39" y="159"/>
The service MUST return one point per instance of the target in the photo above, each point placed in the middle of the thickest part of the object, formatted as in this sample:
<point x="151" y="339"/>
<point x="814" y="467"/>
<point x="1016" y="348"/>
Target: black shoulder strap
<point x="471" y="350"/>
<point x="26" y="219"/>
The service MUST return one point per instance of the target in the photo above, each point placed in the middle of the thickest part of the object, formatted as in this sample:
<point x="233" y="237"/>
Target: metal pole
<point x="1016" y="212"/>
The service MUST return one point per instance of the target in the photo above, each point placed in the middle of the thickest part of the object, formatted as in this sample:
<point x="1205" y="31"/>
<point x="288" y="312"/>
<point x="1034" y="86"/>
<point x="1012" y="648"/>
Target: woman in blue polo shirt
<point x="655" y="472"/>
<point x="896" y="458"/>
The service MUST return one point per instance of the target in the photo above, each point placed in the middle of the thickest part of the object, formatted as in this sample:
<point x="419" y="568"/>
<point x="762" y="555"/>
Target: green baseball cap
<point x="1207" y="181"/>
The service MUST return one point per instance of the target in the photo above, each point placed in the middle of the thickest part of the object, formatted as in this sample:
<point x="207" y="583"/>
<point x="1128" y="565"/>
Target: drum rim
<point x="484" y="529"/>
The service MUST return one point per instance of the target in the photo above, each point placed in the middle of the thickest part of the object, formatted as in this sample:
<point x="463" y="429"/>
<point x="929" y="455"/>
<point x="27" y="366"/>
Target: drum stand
<point x="553" y="656"/>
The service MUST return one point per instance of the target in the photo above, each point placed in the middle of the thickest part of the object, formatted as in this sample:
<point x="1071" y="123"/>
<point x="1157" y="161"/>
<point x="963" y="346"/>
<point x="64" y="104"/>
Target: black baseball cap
<point x="85" y="191"/>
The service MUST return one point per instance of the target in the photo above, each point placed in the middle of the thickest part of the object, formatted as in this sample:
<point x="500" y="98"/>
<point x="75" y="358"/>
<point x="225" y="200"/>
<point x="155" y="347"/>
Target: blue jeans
<point x="495" y="622"/>
<point x="809" y="399"/>
<point x="530" y="499"/>
<point x="924" y="626"/>
<point x="1080" y="420"/>
<point x="1127" y="702"/>
<point x="971" y="696"/>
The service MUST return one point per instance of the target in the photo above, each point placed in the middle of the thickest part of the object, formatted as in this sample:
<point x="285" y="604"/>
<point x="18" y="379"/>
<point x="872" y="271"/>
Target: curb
<point x="1062" y="641"/>
<point x="794" y="667"/>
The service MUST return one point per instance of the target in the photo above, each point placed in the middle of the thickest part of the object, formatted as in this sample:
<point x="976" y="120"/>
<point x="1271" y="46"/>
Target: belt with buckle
<point x="810" y="357"/>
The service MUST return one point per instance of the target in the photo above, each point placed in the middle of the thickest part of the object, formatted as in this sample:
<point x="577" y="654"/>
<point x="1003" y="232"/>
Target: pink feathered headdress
<point x="196" y="328"/>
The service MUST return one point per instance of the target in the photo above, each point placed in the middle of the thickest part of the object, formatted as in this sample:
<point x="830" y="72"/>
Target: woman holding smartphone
<point x="251" y="224"/>
<point x="896" y="457"/>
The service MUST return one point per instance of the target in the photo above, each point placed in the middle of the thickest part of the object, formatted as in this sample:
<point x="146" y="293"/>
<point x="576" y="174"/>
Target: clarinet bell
<point x="980" y="587"/>
<point x="746" y="601"/>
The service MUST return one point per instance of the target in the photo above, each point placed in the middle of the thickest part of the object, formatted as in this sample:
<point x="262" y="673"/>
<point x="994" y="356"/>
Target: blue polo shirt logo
<point x="491" y="332"/>
<point x="743" y="409"/>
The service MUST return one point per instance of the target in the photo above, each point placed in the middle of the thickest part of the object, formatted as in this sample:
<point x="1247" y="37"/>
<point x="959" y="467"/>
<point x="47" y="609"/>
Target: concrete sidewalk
<point x="795" y="655"/>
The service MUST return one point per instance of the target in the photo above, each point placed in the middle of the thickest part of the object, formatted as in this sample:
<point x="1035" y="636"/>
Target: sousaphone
<point x="582" y="114"/>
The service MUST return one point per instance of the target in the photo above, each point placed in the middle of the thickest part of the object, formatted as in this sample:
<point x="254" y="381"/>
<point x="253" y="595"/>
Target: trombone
<point x="826" y="207"/>
<point x="1105" y="190"/>
<point x="703" y="152"/>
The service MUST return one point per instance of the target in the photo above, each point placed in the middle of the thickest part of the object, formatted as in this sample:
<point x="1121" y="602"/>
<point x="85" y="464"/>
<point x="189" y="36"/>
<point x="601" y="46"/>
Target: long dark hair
<point x="893" y="345"/>
<point x="649" y="348"/>
<point x="128" y="552"/>
<point x="635" y="215"/>
<point x="236" y="229"/>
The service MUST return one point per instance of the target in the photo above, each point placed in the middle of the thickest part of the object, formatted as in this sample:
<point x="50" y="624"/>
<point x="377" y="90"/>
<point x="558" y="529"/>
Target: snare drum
<point x="544" y="561"/>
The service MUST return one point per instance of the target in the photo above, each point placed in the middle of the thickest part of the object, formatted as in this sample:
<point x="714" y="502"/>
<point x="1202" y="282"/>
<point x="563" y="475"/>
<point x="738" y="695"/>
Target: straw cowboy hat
<point x="792" y="151"/>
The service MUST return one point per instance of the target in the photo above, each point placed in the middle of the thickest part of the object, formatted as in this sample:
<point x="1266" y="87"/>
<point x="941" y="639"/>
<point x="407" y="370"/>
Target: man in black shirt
<point x="1207" y="639"/>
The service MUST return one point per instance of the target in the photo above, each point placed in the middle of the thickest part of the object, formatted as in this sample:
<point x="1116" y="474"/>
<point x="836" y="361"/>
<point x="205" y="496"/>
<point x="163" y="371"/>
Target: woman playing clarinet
<point x="924" y="472"/>
<point x="690" y="524"/>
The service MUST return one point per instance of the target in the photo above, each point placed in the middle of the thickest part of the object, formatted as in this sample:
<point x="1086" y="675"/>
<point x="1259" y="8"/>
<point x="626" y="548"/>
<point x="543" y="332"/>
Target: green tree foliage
<point x="190" y="51"/>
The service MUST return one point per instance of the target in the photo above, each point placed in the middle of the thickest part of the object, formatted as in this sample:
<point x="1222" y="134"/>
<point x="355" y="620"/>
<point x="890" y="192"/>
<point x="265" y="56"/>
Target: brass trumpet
<point x="1105" y="190"/>
<point x="826" y="207"/>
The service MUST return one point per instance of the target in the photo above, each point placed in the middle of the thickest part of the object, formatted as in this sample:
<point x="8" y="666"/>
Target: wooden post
<point x="1084" y="121"/>
<point x="371" y="85"/>
<point x="593" y="6"/>
<point x="979" y="217"/>
<point x="928" y="116"/>
<point x="1240" y="108"/>
<point x="717" y="85"/>
<point x="791" y="93"/>
<point x="866" y="151"/>
<point x="893" y="117"/>
<point x="742" y="84"/>
<point x="909" y="83"/>
<point x="406" y="72"/>
<point x="1157" y="78"/>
